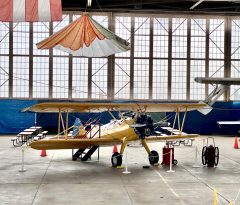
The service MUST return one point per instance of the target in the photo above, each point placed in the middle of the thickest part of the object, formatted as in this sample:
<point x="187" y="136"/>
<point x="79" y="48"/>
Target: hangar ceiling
<point x="155" y="5"/>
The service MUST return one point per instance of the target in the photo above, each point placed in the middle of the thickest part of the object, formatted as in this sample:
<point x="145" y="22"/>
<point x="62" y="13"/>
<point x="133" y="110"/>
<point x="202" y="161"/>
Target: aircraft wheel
<point x="204" y="155"/>
<point x="116" y="159"/>
<point x="175" y="162"/>
<point x="153" y="157"/>
<point x="216" y="156"/>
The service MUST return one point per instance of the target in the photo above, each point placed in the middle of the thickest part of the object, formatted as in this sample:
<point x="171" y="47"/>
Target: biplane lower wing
<point x="73" y="143"/>
<point x="84" y="143"/>
<point x="171" y="137"/>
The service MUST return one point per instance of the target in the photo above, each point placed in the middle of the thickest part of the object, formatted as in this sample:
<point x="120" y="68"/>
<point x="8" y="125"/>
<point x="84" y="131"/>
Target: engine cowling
<point x="145" y="126"/>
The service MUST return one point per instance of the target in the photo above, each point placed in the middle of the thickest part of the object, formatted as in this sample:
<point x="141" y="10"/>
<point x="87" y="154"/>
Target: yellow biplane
<point x="134" y="125"/>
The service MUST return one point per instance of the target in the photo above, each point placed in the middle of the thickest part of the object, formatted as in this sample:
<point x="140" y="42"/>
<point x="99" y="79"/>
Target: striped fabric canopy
<point x="85" y="37"/>
<point x="30" y="10"/>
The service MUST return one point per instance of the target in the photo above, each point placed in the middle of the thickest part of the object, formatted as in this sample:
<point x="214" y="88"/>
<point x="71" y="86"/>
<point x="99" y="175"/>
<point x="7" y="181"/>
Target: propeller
<point x="162" y="124"/>
<point x="137" y="125"/>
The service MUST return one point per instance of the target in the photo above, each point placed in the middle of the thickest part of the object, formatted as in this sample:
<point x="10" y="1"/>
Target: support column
<point x="70" y="68"/>
<point x="111" y="60"/>
<point x="132" y="58"/>
<point x="227" y="54"/>
<point x="207" y="55"/>
<point x="89" y="78"/>
<point x="50" y="93"/>
<point x="10" y="91"/>
<point x="31" y="61"/>
<point x="188" y="57"/>
<point x="151" y="59"/>
<point x="170" y="59"/>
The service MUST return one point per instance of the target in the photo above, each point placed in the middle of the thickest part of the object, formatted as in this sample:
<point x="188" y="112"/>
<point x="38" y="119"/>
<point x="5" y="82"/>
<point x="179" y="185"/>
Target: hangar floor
<point x="56" y="179"/>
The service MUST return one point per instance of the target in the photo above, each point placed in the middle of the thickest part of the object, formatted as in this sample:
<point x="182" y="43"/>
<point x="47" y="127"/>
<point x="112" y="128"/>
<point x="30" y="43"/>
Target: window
<point x="179" y="79"/>
<point x="20" y="77"/>
<point x="198" y="54"/>
<point x="160" y="79"/>
<point x="4" y="76"/>
<point x="80" y="78"/>
<point x="40" y="77"/>
<point x="122" y="79"/>
<point x="60" y="77"/>
<point x="167" y="52"/>
<point x="141" y="79"/>
<point x="99" y="78"/>
<point x="21" y="38"/>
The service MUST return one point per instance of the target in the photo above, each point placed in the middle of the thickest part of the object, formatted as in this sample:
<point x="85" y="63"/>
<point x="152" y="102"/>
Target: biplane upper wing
<point x="73" y="143"/>
<point x="101" y="107"/>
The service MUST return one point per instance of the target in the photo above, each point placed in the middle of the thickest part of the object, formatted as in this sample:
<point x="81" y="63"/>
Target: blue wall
<point x="207" y="124"/>
<point x="12" y="120"/>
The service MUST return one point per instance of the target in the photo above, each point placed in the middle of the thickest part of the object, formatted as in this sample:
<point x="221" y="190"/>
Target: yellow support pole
<point x="230" y="203"/>
<point x="215" y="197"/>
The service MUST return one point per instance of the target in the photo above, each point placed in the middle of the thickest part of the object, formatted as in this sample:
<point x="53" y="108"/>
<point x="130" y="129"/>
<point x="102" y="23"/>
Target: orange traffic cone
<point x="43" y="153"/>
<point x="115" y="149"/>
<point x="236" y="143"/>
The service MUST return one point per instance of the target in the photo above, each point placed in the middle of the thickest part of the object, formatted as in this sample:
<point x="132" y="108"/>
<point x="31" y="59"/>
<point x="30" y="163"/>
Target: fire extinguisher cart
<point x="210" y="154"/>
<point x="166" y="156"/>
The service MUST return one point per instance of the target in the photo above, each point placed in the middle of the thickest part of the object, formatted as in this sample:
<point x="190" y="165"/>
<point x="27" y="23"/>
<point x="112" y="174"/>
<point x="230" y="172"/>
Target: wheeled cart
<point x="210" y="154"/>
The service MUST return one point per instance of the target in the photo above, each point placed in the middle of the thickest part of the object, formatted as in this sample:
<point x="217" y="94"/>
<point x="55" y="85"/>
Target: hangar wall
<point x="167" y="52"/>
<point x="12" y="120"/>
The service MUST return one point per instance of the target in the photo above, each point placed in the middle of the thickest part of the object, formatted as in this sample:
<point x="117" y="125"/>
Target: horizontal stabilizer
<point x="228" y="122"/>
<point x="218" y="81"/>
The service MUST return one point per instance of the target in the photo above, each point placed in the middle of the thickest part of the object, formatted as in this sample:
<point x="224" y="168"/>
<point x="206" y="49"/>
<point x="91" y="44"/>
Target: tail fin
<point x="76" y="126"/>
<point x="205" y="110"/>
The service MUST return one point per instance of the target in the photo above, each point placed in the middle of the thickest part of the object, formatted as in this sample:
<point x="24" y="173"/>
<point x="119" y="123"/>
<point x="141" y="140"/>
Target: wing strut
<point x="63" y="124"/>
<point x="174" y="122"/>
<point x="66" y="133"/>
<point x="59" y="118"/>
<point x="180" y="124"/>
<point x="184" y="117"/>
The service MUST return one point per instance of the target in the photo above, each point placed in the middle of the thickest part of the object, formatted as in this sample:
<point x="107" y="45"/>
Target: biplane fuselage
<point x="115" y="131"/>
<point x="119" y="129"/>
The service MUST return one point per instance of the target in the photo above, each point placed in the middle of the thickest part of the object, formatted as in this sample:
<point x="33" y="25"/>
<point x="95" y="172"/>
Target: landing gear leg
<point x="152" y="155"/>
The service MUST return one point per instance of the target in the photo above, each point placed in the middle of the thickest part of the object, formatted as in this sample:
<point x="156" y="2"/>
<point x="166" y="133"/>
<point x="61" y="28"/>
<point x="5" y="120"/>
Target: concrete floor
<point x="56" y="179"/>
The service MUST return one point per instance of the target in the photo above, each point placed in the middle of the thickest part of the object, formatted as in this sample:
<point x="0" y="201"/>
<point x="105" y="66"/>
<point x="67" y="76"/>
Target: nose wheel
<point x="153" y="157"/>
<point x="116" y="159"/>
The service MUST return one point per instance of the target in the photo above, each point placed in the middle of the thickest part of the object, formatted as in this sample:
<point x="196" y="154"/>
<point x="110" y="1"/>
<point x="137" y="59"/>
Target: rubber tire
<point x="175" y="162"/>
<point x="153" y="157"/>
<point x="116" y="159"/>
<point x="216" y="155"/>
<point x="204" y="151"/>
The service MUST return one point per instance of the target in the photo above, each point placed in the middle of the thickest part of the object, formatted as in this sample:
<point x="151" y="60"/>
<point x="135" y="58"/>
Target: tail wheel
<point x="153" y="157"/>
<point x="216" y="156"/>
<point x="204" y="155"/>
<point x="116" y="159"/>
